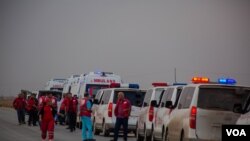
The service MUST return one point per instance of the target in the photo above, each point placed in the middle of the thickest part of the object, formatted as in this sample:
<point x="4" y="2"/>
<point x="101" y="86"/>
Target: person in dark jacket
<point x="72" y="111"/>
<point x="19" y="104"/>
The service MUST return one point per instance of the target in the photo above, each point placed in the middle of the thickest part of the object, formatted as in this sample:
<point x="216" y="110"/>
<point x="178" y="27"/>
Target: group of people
<point x="45" y="110"/>
<point x="22" y="107"/>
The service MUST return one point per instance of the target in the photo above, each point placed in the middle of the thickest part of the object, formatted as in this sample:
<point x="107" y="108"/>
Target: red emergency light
<point x="115" y="85"/>
<point x="200" y="80"/>
<point x="158" y="84"/>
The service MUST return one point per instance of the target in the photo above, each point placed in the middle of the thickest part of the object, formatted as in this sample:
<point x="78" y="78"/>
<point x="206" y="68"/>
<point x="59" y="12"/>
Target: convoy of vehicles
<point x="164" y="112"/>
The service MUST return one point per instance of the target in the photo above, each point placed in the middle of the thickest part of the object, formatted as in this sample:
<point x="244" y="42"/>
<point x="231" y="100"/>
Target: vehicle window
<point x="93" y="89"/>
<point x="135" y="97"/>
<point x="99" y="96"/>
<point x="147" y="98"/>
<point x="106" y="96"/>
<point x="177" y="96"/>
<point x="221" y="98"/>
<point x="167" y="95"/>
<point x="158" y="95"/>
<point x="186" y="97"/>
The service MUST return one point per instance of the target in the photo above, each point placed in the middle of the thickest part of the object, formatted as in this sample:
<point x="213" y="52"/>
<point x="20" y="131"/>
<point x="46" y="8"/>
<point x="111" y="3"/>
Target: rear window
<point x="221" y="99"/>
<point x="135" y="97"/>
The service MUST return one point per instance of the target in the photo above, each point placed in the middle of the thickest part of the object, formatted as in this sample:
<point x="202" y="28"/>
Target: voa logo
<point x="236" y="132"/>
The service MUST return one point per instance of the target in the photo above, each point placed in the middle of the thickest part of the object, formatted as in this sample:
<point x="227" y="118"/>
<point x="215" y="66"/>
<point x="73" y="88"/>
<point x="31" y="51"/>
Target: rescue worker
<point x="122" y="113"/>
<point x="61" y="114"/>
<point x="85" y="113"/>
<point x="47" y="113"/>
<point x="19" y="104"/>
<point x="72" y="111"/>
<point x="32" y="110"/>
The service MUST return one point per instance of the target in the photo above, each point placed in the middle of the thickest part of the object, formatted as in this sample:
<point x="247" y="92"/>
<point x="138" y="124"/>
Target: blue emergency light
<point x="177" y="84"/>
<point x="226" y="81"/>
<point x="135" y="86"/>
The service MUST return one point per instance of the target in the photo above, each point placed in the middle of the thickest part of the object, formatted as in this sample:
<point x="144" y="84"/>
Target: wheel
<point x="152" y="135"/>
<point x="147" y="137"/>
<point x="105" y="131"/>
<point x="96" y="131"/>
<point x="182" y="136"/>
<point x="165" y="136"/>
<point x="138" y="136"/>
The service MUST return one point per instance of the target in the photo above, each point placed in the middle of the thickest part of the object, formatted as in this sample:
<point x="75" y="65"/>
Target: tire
<point x="105" y="131"/>
<point x="96" y="131"/>
<point x="138" y="136"/>
<point x="182" y="136"/>
<point x="146" y="137"/>
<point x="165" y="136"/>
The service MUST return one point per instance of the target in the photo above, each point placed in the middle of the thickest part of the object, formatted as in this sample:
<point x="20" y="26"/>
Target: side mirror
<point x="153" y="103"/>
<point x="96" y="101"/>
<point x="145" y="104"/>
<point x="169" y="104"/>
<point x="102" y="102"/>
<point x="238" y="108"/>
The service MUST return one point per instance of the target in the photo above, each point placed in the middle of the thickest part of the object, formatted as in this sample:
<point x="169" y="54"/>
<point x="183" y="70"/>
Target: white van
<point x="55" y="84"/>
<point x="104" y="119"/>
<point x="171" y="93"/>
<point x="202" y="110"/>
<point x="148" y="109"/>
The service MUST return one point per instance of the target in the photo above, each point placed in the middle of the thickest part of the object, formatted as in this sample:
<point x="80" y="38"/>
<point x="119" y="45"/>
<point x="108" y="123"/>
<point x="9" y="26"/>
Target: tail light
<point x="151" y="113"/>
<point x="192" y="120"/>
<point x="110" y="107"/>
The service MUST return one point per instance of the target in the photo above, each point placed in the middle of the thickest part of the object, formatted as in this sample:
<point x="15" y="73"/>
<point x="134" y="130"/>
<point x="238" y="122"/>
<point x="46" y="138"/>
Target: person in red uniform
<point x="47" y="113"/>
<point x="32" y="110"/>
<point x="62" y="113"/>
<point x="72" y="111"/>
<point x="122" y="113"/>
<point x="19" y="104"/>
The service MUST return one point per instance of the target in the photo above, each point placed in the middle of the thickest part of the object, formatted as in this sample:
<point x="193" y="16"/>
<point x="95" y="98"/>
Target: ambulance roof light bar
<point x="197" y="80"/>
<point x="115" y="85"/>
<point x="130" y="85"/>
<point x="227" y="81"/>
<point x="159" y="84"/>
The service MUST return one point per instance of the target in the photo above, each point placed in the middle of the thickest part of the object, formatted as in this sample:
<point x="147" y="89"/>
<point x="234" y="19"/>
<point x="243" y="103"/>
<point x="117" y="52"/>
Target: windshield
<point x="221" y="98"/>
<point x="93" y="89"/>
<point x="135" y="97"/>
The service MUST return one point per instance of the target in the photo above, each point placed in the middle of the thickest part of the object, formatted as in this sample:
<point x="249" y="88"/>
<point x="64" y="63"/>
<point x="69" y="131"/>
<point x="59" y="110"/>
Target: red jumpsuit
<point x="48" y="123"/>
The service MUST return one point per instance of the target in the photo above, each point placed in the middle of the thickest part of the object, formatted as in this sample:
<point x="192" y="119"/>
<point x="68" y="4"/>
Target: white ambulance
<point x="92" y="82"/>
<point x="171" y="93"/>
<point x="68" y="83"/>
<point x="148" y="109"/>
<point x="203" y="108"/>
<point x="104" y="118"/>
<point x="55" y="84"/>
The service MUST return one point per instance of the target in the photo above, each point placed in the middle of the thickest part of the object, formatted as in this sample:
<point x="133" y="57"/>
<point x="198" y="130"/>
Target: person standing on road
<point x="32" y="110"/>
<point x="19" y="104"/>
<point x="72" y="111"/>
<point x="47" y="114"/>
<point x="122" y="113"/>
<point x="85" y="113"/>
<point x="62" y="114"/>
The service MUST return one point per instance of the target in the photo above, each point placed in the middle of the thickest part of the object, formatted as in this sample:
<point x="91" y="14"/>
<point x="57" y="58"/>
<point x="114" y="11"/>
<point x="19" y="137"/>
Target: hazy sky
<point x="143" y="41"/>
